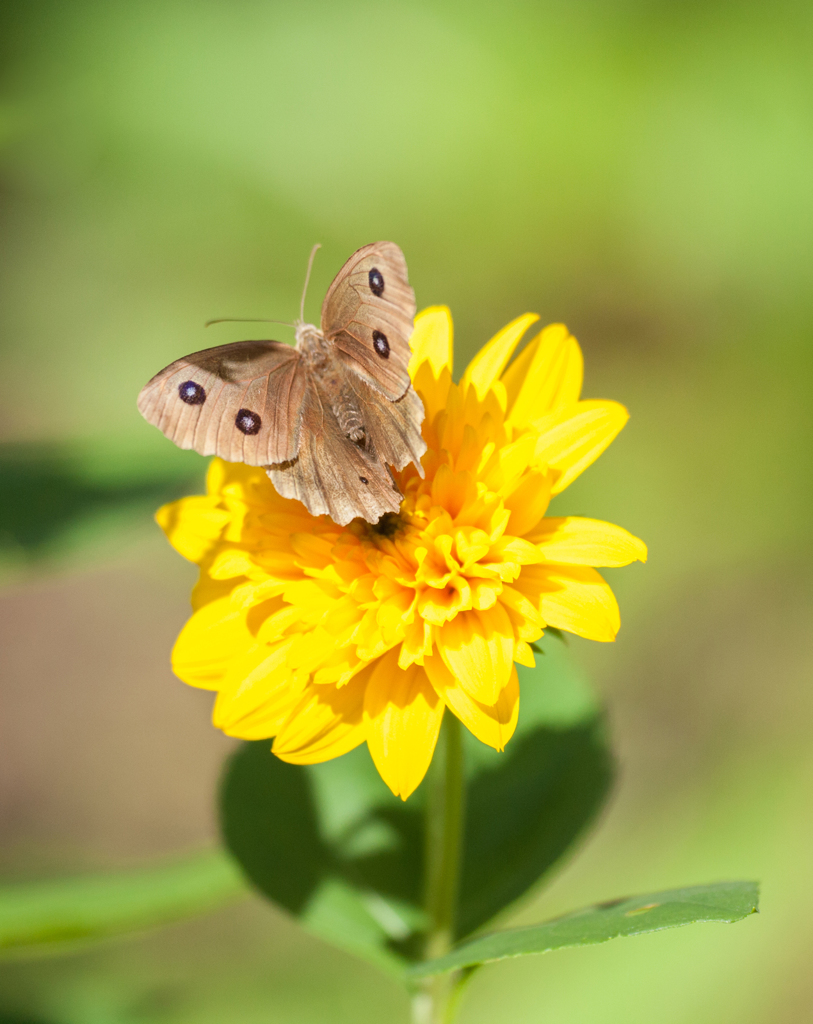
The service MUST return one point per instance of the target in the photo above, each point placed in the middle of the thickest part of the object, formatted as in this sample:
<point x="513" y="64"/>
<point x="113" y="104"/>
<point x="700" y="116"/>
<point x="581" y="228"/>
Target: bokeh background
<point x="640" y="169"/>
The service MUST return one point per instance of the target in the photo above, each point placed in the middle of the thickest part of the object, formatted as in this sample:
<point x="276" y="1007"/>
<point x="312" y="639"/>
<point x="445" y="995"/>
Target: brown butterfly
<point x="325" y="418"/>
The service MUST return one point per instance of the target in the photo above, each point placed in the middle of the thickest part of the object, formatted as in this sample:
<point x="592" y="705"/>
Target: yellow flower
<point x="325" y="637"/>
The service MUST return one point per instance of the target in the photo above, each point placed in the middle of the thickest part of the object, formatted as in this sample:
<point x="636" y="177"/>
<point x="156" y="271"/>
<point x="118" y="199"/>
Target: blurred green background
<point x="640" y="170"/>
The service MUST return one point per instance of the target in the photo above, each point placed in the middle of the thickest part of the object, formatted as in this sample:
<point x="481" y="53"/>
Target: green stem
<point x="444" y="843"/>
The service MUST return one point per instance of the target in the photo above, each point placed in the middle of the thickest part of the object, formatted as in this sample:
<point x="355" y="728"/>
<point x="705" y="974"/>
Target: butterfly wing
<point x="331" y="475"/>
<point x="368" y="314"/>
<point x="393" y="429"/>
<point x="242" y="402"/>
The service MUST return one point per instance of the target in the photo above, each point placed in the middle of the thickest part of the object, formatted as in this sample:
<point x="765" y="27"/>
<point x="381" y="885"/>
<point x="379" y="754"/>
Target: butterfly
<point x="327" y="417"/>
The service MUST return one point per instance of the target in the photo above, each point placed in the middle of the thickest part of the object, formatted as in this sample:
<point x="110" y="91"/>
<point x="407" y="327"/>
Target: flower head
<point x="325" y="637"/>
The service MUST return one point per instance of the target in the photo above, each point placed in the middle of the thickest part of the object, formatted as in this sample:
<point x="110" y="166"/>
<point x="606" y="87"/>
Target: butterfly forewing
<point x="368" y="314"/>
<point x="242" y="402"/>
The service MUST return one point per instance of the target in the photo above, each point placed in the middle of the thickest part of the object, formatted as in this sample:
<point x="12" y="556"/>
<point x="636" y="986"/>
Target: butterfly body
<point x="328" y="376"/>
<point x="327" y="417"/>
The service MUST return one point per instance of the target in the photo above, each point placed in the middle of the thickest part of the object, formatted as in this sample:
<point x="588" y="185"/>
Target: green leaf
<point x="526" y="813"/>
<point x="357" y="921"/>
<point x="301" y="834"/>
<point x="51" y="916"/>
<point x="269" y="822"/>
<point x="331" y="844"/>
<point x="725" y="901"/>
<point x="527" y="807"/>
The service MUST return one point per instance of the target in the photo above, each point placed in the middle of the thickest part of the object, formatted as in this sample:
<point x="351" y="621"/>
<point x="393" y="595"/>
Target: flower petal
<point x="402" y="715"/>
<point x="547" y="375"/>
<point x="207" y="589"/>
<point x="490" y="361"/>
<point x="493" y="725"/>
<point x="210" y="640"/>
<point x="478" y="649"/>
<point x="258" y="709"/>
<point x="573" y="540"/>
<point x="433" y="392"/>
<point x="230" y="563"/>
<point x="528" y="502"/>
<point x="431" y="340"/>
<point x="193" y="525"/>
<point x="326" y="722"/>
<point x="417" y="644"/>
<point x="572" y="438"/>
<point x="258" y="679"/>
<point x="577" y="599"/>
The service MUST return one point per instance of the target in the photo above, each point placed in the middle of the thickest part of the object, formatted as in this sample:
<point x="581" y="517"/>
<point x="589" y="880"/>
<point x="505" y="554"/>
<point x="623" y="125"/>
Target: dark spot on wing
<point x="376" y="279"/>
<point x="191" y="393"/>
<point x="248" y="422"/>
<point x="381" y="345"/>
<point x="364" y="479"/>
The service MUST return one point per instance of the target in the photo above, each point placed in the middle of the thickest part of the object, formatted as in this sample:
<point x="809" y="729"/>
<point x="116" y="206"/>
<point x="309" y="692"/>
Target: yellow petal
<point x="478" y="649"/>
<point x="207" y="589"/>
<point x="577" y="599"/>
<point x="439" y="606"/>
<point x="217" y="475"/>
<point x="493" y="725"/>
<point x="233" y="562"/>
<point x="486" y="367"/>
<point x="508" y="463"/>
<point x="431" y="340"/>
<point x="549" y="376"/>
<point x="572" y="438"/>
<point x="402" y="715"/>
<point x="209" y="641"/>
<point x="193" y="525"/>
<point x="573" y="540"/>
<point x="257" y="675"/>
<point x="326" y="722"/>
<point x="524" y="655"/>
<point x="263" y="722"/>
<point x="528" y="502"/>
<point x="433" y="392"/>
<point x="272" y="618"/>
<point x="262" y="707"/>
<point x="239" y="482"/>
<point x="417" y="643"/>
<point x="524" y="613"/>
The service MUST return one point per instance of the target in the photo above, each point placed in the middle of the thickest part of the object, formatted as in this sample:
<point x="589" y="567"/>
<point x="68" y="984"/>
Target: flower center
<point x="388" y="525"/>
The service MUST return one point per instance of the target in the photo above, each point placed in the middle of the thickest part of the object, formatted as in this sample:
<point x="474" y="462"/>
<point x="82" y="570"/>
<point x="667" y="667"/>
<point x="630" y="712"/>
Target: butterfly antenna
<point x="246" y="320"/>
<point x="307" y="278"/>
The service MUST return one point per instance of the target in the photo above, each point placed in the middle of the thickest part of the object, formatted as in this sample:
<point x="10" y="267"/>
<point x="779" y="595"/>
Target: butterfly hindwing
<point x="332" y="475"/>
<point x="393" y="429"/>
<point x="242" y="402"/>
<point x="368" y="314"/>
